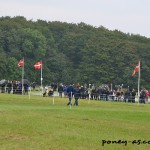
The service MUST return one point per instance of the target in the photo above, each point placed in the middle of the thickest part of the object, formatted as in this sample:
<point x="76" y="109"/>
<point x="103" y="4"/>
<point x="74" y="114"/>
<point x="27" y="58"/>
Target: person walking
<point x="70" y="91"/>
<point x="76" y="94"/>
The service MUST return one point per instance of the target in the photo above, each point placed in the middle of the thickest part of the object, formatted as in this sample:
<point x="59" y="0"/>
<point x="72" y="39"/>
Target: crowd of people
<point x="90" y="91"/>
<point x="103" y="92"/>
<point x="15" y="87"/>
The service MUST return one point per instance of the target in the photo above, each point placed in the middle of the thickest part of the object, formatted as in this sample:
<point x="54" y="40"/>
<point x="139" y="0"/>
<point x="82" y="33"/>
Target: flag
<point x="21" y="63"/>
<point x="38" y="65"/>
<point x="137" y="68"/>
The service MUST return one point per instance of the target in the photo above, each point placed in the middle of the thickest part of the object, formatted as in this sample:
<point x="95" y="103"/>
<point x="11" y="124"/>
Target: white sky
<point x="128" y="16"/>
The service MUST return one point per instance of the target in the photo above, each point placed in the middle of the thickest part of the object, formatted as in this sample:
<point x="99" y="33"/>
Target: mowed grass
<point x="38" y="124"/>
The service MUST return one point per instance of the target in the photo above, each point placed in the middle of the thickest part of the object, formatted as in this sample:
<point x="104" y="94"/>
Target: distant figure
<point x="65" y="91"/>
<point x="142" y="96"/>
<point x="126" y="96"/>
<point x="146" y="96"/>
<point x="70" y="90"/>
<point x="45" y="91"/>
<point x="51" y="91"/>
<point x="133" y="96"/>
<point x="9" y="85"/>
<point x="26" y="88"/>
<point x="60" y="90"/>
<point x="76" y="94"/>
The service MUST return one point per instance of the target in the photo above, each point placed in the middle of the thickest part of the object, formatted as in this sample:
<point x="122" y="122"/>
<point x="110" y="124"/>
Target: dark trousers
<point x="76" y="101"/>
<point x="69" y="103"/>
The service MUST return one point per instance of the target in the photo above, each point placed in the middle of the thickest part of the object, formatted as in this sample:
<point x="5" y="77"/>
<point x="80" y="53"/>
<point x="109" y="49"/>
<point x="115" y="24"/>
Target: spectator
<point x="51" y="91"/>
<point x="146" y="96"/>
<point x="142" y="96"/>
<point x="60" y="90"/>
<point x="133" y="96"/>
<point x="9" y="85"/>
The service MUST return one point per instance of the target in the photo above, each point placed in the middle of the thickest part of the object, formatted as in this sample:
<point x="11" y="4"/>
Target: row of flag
<point x="38" y="65"/>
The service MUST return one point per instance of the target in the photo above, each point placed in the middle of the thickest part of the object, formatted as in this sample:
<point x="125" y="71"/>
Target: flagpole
<point x="139" y="76"/>
<point x="41" y="77"/>
<point x="23" y="76"/>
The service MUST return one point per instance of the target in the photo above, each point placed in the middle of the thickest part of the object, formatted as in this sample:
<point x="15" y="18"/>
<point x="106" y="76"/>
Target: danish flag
<point x="38" y="65"/>
<point x="21" y="63"/>
<point x="137" y="68"/>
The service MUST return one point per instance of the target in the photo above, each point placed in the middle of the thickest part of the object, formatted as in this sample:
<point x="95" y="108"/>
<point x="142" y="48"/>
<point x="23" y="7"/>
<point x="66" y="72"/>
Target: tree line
<point x="72" y="53"/>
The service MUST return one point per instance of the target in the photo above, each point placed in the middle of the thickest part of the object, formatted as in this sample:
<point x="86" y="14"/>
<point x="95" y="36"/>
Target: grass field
<point x="38" y="124"/>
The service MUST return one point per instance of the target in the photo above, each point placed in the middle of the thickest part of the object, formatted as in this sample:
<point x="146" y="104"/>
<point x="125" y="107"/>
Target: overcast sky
<point x="128" y="16"/>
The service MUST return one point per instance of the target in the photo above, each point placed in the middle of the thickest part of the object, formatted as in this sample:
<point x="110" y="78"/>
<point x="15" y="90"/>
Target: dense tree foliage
<point x="72" y="52"/>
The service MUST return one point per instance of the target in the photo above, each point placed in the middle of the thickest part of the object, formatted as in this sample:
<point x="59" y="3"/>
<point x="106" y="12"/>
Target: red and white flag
<point x="21" y="63"/>
<point x="137" y="68"/>
<point x="38" y="65"/>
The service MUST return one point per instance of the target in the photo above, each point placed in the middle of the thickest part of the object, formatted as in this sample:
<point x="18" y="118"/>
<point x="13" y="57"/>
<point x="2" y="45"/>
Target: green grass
<point x="37" y="124"/>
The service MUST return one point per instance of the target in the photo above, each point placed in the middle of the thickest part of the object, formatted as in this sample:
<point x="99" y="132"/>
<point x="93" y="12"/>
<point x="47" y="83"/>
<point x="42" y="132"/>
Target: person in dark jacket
<point x="9" y="85"/>
<point x="126" y="96"/>
<point x="60" y="90"/>
<point x="133" y="96"/>
<point x="76" y="94"/>
<point x="70" y="91"/>
<point x="142" y="96"/>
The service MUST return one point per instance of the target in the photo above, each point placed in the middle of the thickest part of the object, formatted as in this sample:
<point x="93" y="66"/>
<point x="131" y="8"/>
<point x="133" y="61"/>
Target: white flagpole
<point x="41" y="77"/>
<point x="139" y="76"/>
<point x="23" y="77"/>
<point x="29" y="92"/>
